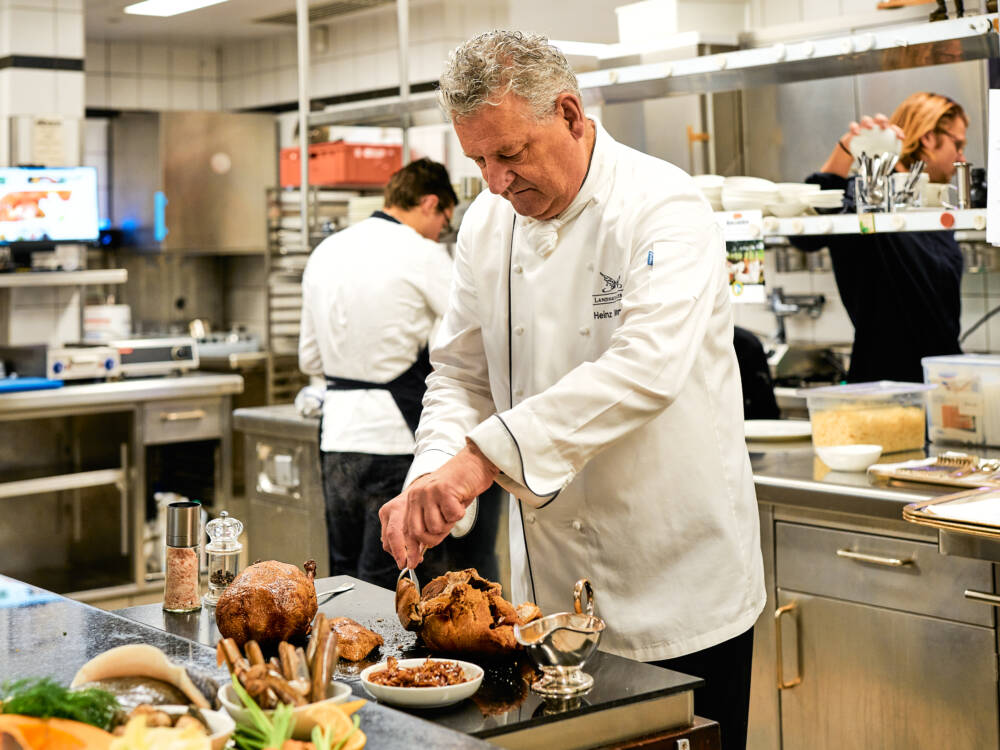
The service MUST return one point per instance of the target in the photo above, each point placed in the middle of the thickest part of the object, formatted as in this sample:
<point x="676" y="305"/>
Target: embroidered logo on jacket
<point x="610" y="294"/>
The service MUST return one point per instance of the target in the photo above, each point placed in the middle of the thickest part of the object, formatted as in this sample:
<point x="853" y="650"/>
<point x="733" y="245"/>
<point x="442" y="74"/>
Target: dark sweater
<point x="901" y="291"/>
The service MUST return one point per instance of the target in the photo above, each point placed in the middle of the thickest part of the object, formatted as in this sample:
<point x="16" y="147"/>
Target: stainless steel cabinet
<point x="870" y="643"/>
<point x="873" y="677"/>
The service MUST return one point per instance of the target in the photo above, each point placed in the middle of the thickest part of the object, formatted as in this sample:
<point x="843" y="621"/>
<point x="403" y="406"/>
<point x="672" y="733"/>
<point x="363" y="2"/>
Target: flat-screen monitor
<point x="48" y="205"/>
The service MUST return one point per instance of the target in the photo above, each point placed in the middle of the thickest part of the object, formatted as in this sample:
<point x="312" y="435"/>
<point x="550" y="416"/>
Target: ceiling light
<point x="167" y="7"/>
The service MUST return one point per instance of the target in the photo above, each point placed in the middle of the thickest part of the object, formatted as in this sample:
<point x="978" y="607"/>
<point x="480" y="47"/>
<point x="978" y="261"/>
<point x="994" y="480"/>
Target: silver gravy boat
<point x="560" y="645"/>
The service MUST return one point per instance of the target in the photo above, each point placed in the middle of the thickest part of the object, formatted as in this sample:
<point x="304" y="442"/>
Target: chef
<point x="586" y="363"/>
<point x="370" y="297"/>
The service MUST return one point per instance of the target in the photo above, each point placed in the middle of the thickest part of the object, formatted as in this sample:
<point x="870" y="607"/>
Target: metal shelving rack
<point x="894" y="47"/>
<point x="286" y="260"/>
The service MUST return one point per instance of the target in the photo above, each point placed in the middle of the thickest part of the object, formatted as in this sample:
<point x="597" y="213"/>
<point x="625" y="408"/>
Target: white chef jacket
<point x="370" y="296"/>
<point x="590" y="357"/>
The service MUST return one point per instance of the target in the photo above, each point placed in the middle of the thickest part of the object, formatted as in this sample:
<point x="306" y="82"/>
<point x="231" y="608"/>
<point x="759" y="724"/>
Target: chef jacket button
<point x="519" y="392"/>
<point x="584" y="331"/>
<point x="577" y="525"/>
<point x="519" y="330"/>
<point x="530" y="517"/>
<point x="590" y="266"/>
<point x="518" y="269"/>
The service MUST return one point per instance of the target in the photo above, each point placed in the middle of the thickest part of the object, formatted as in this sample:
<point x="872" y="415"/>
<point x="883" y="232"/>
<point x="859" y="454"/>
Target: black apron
<point x="407" y="390"/>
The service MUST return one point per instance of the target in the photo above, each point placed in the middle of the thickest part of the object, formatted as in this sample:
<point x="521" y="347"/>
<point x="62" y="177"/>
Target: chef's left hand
<point x="435" y="502"/>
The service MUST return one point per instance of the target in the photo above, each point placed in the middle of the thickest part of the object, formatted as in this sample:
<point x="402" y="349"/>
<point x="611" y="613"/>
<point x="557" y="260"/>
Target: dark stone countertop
<point x="48" y="635"/>
<point x="504" y="703"/>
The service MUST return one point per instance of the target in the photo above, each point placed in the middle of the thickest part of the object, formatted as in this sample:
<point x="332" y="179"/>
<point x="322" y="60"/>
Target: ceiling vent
<point x="325" y="11"/>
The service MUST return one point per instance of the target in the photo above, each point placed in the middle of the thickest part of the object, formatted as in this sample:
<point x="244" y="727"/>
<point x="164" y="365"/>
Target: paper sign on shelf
<point x="993" y="174"/>
<point x="744" y="254"/>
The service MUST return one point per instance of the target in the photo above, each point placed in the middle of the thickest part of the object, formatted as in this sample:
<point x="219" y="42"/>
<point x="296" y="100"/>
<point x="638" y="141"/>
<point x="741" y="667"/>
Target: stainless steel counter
<point x="120" y="391"/>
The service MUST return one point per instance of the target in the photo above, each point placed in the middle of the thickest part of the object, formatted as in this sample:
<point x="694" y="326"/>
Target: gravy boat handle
<point x="583" y="585"/>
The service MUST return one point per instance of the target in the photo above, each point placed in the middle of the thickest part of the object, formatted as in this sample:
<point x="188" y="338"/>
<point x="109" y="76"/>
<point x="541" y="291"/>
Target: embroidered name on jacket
<point x="610" y="294"/>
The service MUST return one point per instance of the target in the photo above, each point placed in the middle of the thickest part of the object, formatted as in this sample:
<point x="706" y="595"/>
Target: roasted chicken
<point x="269" y="602"/>
<point x="355" y="640"/>
<point x="462" y="612"/>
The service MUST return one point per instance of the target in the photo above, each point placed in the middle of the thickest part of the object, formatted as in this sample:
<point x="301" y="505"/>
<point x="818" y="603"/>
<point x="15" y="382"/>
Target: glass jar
<point x="223" y="552"/>
<point x="180" y="583"/>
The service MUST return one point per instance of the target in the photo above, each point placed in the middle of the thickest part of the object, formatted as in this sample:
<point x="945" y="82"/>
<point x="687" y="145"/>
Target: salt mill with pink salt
<point x="181" y="584"/>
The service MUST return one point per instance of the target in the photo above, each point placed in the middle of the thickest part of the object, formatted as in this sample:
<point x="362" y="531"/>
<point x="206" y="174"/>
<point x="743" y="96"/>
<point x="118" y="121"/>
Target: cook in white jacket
<point x="586" y="363"/>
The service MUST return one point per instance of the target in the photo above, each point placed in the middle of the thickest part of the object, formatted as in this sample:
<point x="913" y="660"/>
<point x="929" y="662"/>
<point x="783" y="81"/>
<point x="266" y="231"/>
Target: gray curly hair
<point x="484" y="69"/>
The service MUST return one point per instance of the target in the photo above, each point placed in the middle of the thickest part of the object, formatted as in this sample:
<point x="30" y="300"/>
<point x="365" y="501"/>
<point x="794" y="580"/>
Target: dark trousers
<point x="355" y="486"/>
<point x="725" y="698"/>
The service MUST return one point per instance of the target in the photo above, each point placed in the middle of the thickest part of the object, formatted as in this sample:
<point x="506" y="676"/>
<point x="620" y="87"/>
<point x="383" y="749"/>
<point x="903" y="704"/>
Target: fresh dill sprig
<point x="45" y="698"/>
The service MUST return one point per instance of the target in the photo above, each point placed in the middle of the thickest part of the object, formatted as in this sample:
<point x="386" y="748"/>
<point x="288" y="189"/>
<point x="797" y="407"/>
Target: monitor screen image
<point x="48" y="204"/>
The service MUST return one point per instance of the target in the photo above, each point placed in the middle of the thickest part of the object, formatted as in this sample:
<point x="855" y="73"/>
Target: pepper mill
<point x="963" y="181"/>
<point x="223" y="551"/>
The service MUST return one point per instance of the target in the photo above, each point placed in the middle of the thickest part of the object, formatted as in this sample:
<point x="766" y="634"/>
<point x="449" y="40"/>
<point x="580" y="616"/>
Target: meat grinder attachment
<point x="561" y="644"/>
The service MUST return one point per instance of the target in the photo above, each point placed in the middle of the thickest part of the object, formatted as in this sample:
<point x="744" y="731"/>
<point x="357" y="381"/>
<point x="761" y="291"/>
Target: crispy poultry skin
<point x="462" y="612"/>
<point x="355" y="640"/>
<point x="269" y="602"/>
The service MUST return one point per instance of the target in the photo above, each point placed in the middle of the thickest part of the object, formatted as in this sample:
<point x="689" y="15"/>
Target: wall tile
<point x="208" y="58"/>
<point x="123" y="57"/>
<point x="974" y="284"/>
<point x="323" y="78"/>
<point x="185" y="61"/>
<point x="800" y="328"/>
<point x="154" y="92"/>
<point x="209" y="95"/>
<point x="232" y="60"/>
<point x="833" y="326"/>
<point x="68" y="323"/>
<point x="231" y="93"/>
<point x="123" y="92"/>
<point x="5" y="30"/>
<point x="32" y="32"/>
<point x="266" y="54"/>
<point x="184" y="94"/>
<point x="756" y="318"/>
<point x="973" y="308"/>
<point x="70" y="93"/>
<point x="69" y="35"/>
<point x="815" y="10"/>
<point x="32" y="297"/>
<point x="73" y="5"/>
<point x="268" y="87"/>
<point x="95" y="56"/>
<point x="32" y="92"/>
<point x="95" y="136"/>
<point x="287" y="50"/>
<point x="96" y="90"/>
<point x="288" y="84"/>
<point x="154" y="60"/>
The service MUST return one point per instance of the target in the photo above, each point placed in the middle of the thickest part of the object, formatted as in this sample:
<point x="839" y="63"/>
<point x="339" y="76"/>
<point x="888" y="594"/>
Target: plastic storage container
<point x="345" y="165"/>
<point x="886" y="413"/>
<point x="965" y="407"/>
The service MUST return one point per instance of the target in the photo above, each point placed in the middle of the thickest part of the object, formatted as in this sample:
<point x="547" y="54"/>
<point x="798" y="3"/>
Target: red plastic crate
<point x="340" y="164"/>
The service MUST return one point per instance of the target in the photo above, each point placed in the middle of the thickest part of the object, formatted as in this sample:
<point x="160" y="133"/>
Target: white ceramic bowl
<point x="876" y="140"/>
<point x="336" y="692"/>
<point x="749" y="183"/>
<point x="797" y="187"/>
<point x="848" y="457"/>
<point x="220" y="723"/>
<point x="786" y="210"/>
<point x="709" y="181"/>
<point x="423" y="697"/>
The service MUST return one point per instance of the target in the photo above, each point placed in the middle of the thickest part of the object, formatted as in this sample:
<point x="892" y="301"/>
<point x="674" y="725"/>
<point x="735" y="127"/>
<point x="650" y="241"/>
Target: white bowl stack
<point x="825" y="200"/>
<point x="711" y="187"/>
<point x="792" y="199"/>
<point x="748" y="193"/>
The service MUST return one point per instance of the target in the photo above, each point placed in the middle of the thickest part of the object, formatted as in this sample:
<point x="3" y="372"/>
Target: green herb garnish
<point x="45" y="698"/>
<point x="262" y="732"/>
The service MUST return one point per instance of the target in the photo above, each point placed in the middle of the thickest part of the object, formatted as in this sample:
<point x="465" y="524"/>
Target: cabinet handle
<point x="889" y="562"/>
<point x="782" y="685"/>
<point x="182" y="416"/>
<point x="982" y="596"/>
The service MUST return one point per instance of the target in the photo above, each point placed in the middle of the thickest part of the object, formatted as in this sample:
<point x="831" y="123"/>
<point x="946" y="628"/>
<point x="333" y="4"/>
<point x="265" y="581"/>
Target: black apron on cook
<point x="407" y="390"/>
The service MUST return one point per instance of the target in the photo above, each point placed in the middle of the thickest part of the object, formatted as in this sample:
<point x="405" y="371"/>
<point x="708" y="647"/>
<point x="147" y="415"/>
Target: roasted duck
<point x="269" y="602"/>
<point x="462" y="612"/>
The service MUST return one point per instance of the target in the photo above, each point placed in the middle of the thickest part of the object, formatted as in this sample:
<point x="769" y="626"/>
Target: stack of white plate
<point x="748" y="193"/>
<point x="792" y="198"/>
<point x="825" y="201"/>
<point x="711" y="187"/>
